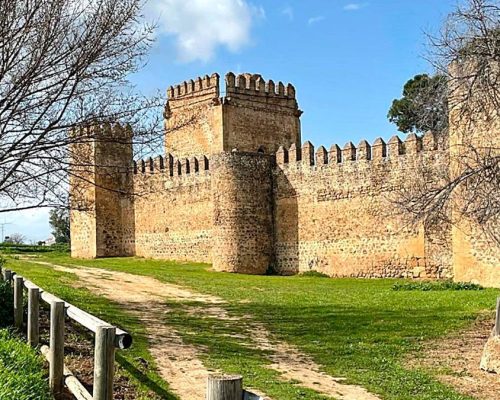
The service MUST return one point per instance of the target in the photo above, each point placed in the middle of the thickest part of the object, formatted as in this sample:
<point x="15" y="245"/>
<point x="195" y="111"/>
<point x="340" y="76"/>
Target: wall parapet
<point x="207" y="85"/>
<point x="379" y="150"/>
<point x="169" y="165"/>
<point x="255" y="85"/>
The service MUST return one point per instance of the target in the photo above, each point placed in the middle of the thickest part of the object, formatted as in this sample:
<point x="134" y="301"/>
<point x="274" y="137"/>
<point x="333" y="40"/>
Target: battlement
<point x="170" y="165"/>
<point x="255" y="85"/>
<point x="379" y="150"/>
<point x="207" y="86"/>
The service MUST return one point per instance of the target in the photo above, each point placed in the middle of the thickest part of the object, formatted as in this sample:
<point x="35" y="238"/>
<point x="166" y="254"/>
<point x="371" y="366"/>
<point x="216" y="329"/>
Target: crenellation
<point x="271" y="88"/>
<point x="230" y="79"/>
<point x="159" y="163"/>
<point x="294" y="153"/>
<point x="308" y="153"/>
<point x="379" y="149"/>
<point x="335" y="154"/>
<point x="193" y="165"/>
<point x="241" y="82"/>
<point x="205" y="163"/>
<point x="169" y="159"/>
<point x="261" y="86"/>
<point x="364" y="151"/>
<point x="412" y="144"/>
<point x="321" y="156"/>
<point x="395" y="147"/>
<point x="281" y="89"/>
<point x="349" y="152"/>
<point x="282" y="156"/>
<point x="185" y="167"/>
<point x="429" y="142"/>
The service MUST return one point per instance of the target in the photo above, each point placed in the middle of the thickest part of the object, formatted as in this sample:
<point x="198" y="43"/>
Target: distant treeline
<point x="31" y="248"/>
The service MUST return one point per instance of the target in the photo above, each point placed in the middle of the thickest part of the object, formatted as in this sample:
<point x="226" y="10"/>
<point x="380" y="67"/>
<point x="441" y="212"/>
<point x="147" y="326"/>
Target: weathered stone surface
<point x="490" y="361"/>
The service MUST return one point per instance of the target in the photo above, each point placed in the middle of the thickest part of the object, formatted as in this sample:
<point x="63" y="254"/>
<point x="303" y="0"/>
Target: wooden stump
<point x="225" y="387"/>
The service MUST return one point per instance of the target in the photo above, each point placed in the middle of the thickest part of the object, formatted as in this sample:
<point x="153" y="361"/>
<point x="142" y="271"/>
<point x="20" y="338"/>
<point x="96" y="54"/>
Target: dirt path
<point x="457" y="360"/>
<point x="178" y="363"/>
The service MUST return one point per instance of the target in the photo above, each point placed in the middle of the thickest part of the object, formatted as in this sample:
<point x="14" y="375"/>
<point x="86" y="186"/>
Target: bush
<point x="426" y="286"/>
<point x="314" y="274"/>
<point x="21" y="370"/>
<point x="6" y="305"/>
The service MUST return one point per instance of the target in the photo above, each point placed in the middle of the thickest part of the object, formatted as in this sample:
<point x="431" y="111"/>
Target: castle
<point x="237" y="188"/>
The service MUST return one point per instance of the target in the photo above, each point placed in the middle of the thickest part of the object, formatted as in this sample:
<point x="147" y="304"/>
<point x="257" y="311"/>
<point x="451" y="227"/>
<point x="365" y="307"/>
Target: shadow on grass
<point x="144" y="379"/>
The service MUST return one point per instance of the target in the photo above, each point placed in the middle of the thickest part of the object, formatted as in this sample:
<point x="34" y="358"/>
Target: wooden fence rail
<point x="107" y="338"/>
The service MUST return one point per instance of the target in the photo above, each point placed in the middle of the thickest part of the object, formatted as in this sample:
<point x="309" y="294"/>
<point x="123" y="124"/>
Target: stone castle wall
<point x="474" y="139"/>
<point x="334" y="213"/>
<point x="173" y="210"/>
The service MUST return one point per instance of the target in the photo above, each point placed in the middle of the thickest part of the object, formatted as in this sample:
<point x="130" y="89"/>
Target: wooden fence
<point x="107" y="339"/>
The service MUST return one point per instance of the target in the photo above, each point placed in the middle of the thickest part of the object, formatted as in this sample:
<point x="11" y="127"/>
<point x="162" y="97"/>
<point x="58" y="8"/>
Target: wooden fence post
<point x="56" y="355"/>
<point x="18" y="302"/>
<point x="497" y="319"/>
<point x="7" y="275"/>
<point x="33" y="315"/>
<point x="104" y="359"/>
<point x="224" y="387"/>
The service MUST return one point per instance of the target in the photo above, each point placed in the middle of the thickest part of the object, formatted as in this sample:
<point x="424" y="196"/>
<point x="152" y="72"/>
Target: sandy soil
<point x="456" y="360"/>
<point x="179" y="363"/>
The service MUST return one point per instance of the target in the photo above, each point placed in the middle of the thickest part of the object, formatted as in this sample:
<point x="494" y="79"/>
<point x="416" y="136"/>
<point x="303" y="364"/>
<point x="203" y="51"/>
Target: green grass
<point x="21" y="370"/>
<point x="359" y="329"/>
<point x="61" y="284"/>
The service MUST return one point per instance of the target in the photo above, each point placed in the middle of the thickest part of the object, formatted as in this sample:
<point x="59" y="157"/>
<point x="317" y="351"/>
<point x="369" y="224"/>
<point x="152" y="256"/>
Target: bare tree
<point x="65" y="64"/>
<point x="16" y="238"/>
<point x="467" y="53"/>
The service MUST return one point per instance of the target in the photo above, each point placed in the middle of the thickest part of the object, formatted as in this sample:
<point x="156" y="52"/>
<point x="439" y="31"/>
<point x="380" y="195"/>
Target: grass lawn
<point x="21" y="370"/>
<point x="358" y="329"/>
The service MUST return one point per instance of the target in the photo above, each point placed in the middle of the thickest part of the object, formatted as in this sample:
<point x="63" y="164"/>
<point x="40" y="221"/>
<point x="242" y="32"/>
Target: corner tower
<point x="252" y="115"/>
<point x="101" y="217"/>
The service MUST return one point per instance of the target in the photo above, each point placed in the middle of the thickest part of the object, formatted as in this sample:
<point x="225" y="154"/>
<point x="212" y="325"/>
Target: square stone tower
<point x="252" y="115"/>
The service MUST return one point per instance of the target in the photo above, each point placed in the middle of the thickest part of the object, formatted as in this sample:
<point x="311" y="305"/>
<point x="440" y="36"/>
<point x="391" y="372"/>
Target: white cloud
<point x="313" y="20"/>
<point x="354" y="6"/>
<point x="288" y="12"/>
<point x="201" y="26"/>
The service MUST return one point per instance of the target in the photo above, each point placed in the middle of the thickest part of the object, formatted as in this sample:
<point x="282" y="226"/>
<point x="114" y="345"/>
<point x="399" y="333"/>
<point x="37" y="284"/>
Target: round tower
<point x="242" y="224"/>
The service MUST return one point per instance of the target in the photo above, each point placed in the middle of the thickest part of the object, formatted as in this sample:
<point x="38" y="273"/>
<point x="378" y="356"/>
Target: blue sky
<point x="347" y="60"/>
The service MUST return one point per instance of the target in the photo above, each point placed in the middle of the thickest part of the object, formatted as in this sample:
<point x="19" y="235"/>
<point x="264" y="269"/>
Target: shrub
<point x="426" y="286"/>
<point x="6" y="305"/>
<point x="21" y="370"/>
<point x="314" y="274"/>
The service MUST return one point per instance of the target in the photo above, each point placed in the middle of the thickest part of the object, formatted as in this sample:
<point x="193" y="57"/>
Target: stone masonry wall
<point x="259" y="115"/>
<point x="193" y="118"/>
<point x="473" y="139"/>
<point x="173" y="209"/>
<point x="333" y="212"/>
<point x="242" y="215"/>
